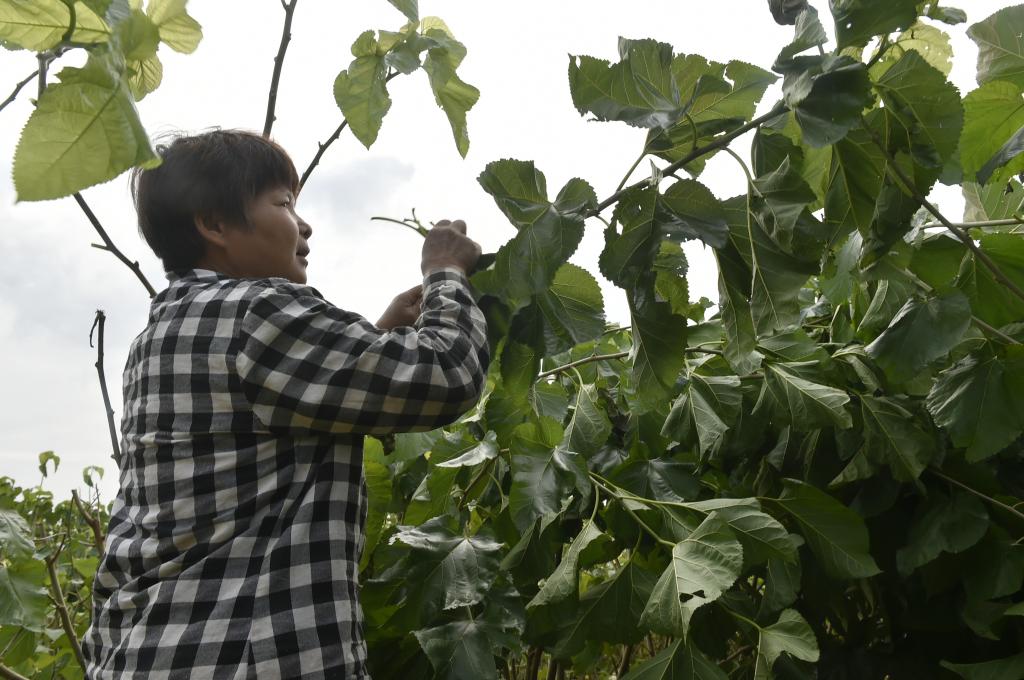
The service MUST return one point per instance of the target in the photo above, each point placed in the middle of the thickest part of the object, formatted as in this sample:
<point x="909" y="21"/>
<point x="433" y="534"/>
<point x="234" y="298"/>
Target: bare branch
<point x="10" y="674"/>
<point x="580" y="362"/>
<point x="275" y="80"/>
<point x="57" y="595"/>
<point x="17" y="89"/>
<point x="321" y="148"/>
<point x="97" y="325"/>
<point x="90" y="519"/>
<point x="109" y="245"/>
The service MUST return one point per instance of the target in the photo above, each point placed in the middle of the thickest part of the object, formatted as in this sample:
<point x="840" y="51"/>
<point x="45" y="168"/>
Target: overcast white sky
<point x="52" y="281"/>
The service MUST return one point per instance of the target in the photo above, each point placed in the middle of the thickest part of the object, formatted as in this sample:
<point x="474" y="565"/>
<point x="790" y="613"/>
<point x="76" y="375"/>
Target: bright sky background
<point x="52" y="281"/>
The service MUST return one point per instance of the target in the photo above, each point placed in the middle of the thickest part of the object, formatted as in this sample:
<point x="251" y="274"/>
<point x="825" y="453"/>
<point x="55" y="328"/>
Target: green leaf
<point x="137" y="37"/>
<point x="639" y="90"/>
<point x="40" y="25"/>
<point x="762" y="536"/>
<point x="178" y="30"/>
<point x="144" y="76"/>
<point x="681" y="660"/>
<point x="704" y="566"/>
<point x="921" y="332"/>
<point x="661" y="479"/>
<point x="1007" y="153"/>
<point x="973" y="400"/>
<point x="378" y="493"/>
<point x="482" y="452"/>
<point x="543" y="473"/>
<point x="829" y="98"/>
<point x="800" y="402"/>
<point x="947" y="15"/>
<point x="928" y="41"/>
<point x="657" y="358"/>
<point x="780" y="199"/>
<point x="549" y="232"/>
<point x="790" y="634"/>
<point x="610" y="611"/>
<point x="23" y="599"/>
<point x="452" y="94"/>
<point x="410" y="8"/>
<point x="1000" y="49"/>
<point x="15" y="535"/>
<point x="628" y="256"/>
<point x="924" y="102"/>
<point x="1009" y="668"/>
<point x="782" y="584"/>
<point x="808" y="33"/>
<point x="452" y="570"/>
<point x="857" y="21"/>
<point x="737" y="317"/>
<point x="992" y="201"/>
<point x="361" y="93"/>
<point x="947" y="524"/>
<point x="573" y="309"/>
<point x="892" y="437"/>
<point x="588" y="427"/>
<point x="84" y="131"/>
<point x="688" y="210"/>
<point x="991" y="301"/>
<point x="835" y="533"/>
<point x="563" y="582"/>
<point x="459" y="650"/>
<point x="993" y="118"/>
<point x="704" y="411"/>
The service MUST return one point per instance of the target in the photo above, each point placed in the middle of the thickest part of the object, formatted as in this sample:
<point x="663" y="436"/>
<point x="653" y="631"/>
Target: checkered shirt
<point x="235" y="537"/>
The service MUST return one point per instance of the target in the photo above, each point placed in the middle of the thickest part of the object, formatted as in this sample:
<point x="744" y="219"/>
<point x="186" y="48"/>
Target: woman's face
<point x="274" y="243"/>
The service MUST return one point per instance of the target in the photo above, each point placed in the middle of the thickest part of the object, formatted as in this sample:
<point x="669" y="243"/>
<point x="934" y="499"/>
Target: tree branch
<point x="321" y="148"/>
<point x="90" y="519"/>
<point x="999" y="504"/>
<point x="62" y="609"/>
<point x="17" y="89"/>
<point x="717" y="144"/>
<point x="1010" y="222"/>
<point x="275" y="80"/>
<point x="97" y="325"/>
<point x="10" y="674"/>
<point x="109" y="246"/>
<point x="897" y="173"/>
<point x="580" y="362"/>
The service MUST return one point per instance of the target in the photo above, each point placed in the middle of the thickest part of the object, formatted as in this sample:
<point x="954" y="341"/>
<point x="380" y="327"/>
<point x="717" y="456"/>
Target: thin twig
<point x="739" y="652"/>
<point x="10" y="674"/>
<point x="90" y="519"/>
<point x="17" y="89"/>
<point x="275" y="80"/>
<point x="961" y="235"/>
<point x="941" y="475"/>
<point x="57" y="595"/>
<point x="418" y="229"/>
<point x="321" y="148"/>
<point x="109" y="246"/>
<point x="627" y="659"/>
<point x="580" y="362"/>
<point x="717" y="144"/>
<point x="1010" y="222"/>
<point x="97" y="325"/>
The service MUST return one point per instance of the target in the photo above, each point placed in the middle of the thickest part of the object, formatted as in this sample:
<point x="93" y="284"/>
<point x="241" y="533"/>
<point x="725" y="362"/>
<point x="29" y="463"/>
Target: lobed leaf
<point x="459" y="650"/>
<point x="1000" y="47"/>
<point x="857" y="21"/>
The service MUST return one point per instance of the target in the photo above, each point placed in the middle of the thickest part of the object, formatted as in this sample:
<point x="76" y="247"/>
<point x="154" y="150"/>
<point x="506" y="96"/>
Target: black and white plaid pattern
<point x="235" y="537"/>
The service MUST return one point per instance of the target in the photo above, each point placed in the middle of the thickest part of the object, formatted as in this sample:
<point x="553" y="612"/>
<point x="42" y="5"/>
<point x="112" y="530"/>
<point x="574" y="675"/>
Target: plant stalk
<point x="97" y="325"/>
<point x="17" y="89"/>
<point x="10" y="674"/>
<point x="62" y="609"/>
<point x="275" y="80"/>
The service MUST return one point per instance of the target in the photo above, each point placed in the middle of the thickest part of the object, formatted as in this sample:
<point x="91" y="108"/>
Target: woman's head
<point x="219" y="191"/>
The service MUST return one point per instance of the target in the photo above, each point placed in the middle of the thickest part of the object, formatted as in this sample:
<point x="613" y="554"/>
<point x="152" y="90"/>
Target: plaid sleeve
<point x="306" y="364"/>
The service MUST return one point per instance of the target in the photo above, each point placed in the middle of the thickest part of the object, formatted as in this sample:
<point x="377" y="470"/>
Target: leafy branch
<point x="57" y="596"/>
<point x="286" y="36"/>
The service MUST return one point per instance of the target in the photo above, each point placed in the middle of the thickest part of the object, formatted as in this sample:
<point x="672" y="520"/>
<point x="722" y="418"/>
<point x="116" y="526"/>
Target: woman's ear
<point x="211" y="229"/>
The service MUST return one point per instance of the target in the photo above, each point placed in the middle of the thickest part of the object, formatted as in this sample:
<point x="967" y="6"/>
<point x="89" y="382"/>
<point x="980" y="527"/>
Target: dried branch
<point x="57" y="595"/>
<point x="17" y="89"/>
<point x="109" y="246"/>
<point x="97" y="325"/>
<point x="90" y="519"/>
<point x="275" y="80"/>
<point x="322" y="147"/>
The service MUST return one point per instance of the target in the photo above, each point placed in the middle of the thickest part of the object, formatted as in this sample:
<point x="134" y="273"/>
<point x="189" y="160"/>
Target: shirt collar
<point x="180" y="276"/>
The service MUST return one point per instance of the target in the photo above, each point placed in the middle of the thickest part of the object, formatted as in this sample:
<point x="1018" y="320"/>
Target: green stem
<point x="596" y="479"/>
<point x="418" y="229"/>
<point x="999" y="504"/>
<point x="1013" y="221"/>
<point x="580" y="362"/>
<point x="632" y="168"/>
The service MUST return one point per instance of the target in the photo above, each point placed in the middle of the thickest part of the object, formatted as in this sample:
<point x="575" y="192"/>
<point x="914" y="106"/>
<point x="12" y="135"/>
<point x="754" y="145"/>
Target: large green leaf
<point x="611" y="610"/>
<point x="737" y="317"/>
<point x="855" y="180"/>
<point x="704" y="566"/>
<point x="459" y="650"/>
<point x="807" y="33"/>
<point x="704" y="411"/>
<point x="779" y="200"/>
<point x="790" y="634"/>
<point x="451" y="569"/>
<point x="629" y="255"/>
<point x="638" y="90"/>
<point x="543" y="473"/>
<point x="680" y="660"/>
<point x="1000" y="47"/>
<point x="660" y="478"/>
<point x="410" y="8"/>
<point x="482" y="452"/>
<point x="41" y="24"/>
<point x="921" y="332"/>
<point x="361" y="90"/>
<point x="993" y="116"/>
<point x="658" y="339"/>
<point x="891" y="436"/>
<point x="828" y="98"/>
<point x="688" y="210"/>
<point x="453" y="95"/>
<point x="835" y="533"/>
<point x="991" y="300"/>
<point x="946" y="524"/>
<point x="15" y="534"/>
<point x="925" y="103"/>
<point x="573" y="308"/>
<point x="178" y="30"/>
<point x="378" y="491"/>
<point x="762" y="536"/>
<point x="974" y="401"/>
<point x="588" y="427"/>
<point x="857" y="21"/>
<point x="563" y="581"/>
<point x="23" y="599"/>
<point x="84" y="131"/>
<point x="795" y="400"/>
<point x="992" y="201"/>
<point x="1009" y="668"/>
<point x="549" y="232"/>
<point x="928" y="41"/>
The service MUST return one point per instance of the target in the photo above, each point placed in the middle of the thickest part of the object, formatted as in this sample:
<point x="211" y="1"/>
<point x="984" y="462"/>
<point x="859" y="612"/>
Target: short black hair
<point x="214" y="175"/>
